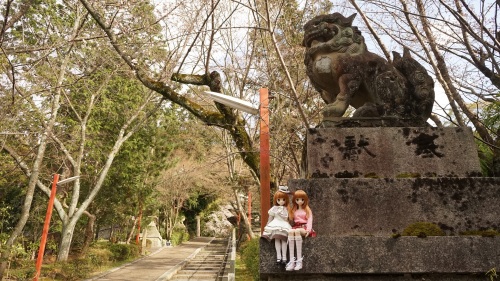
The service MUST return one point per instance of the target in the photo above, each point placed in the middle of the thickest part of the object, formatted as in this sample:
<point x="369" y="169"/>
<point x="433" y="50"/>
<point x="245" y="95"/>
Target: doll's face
<point x="299" y="201"/>
<point x="280" y="201"/>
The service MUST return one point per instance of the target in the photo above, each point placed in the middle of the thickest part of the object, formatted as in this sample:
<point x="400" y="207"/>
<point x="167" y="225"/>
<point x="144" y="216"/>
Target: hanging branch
<point x="224" y="118"/>
<point x="372" y="31"/>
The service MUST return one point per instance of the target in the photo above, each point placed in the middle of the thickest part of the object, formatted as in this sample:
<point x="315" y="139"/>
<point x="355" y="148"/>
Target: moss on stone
<point x="483" y="233"/>
<point x="395" y="233"/>
<point x="371" y="176"/>
<point x="423" y="229"/>
<point x="408" y="175"/>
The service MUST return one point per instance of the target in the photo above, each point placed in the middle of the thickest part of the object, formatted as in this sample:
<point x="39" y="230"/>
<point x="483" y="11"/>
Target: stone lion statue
<point x="345" y="73"/>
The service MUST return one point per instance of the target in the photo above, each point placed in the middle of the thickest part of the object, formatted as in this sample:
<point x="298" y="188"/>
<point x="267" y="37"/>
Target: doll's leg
<point x="291" y="247"/>
<point x="277" y="246"/>
<point x="283" y="251"/>
<point x="298" y="242"/>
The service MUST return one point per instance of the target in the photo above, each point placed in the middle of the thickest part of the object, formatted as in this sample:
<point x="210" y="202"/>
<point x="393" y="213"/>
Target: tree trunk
<point x="169" y="228"/>
<point x="246" y="222"/>
<point x="66" y="238"/>
<point x="131" y="233"/>
<point x="89" y="233"/>
<point x="5" y="254"/>
<point x="33" y="178"/>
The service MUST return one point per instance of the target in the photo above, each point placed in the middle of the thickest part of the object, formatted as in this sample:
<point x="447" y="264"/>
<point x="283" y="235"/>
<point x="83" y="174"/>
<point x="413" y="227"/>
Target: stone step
<point x="209" y="258"/>
<point x="190" y="276"/>
<point x="195" y="277"/>
<point x="210" y="261"/>
<point x="207" y="267"/>
<point x="197" y="273"/>
<point x="200" y="256"/>
<point x="206" y="264"/>
<point x="212" y="253"/>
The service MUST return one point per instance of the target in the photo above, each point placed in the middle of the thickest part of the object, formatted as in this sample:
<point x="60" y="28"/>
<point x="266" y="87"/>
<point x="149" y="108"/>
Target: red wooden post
<point x="138" y="226"/>
<point x="265" y="169"/>
<point x="249" y="208"/>
<point x="45" y="231"/>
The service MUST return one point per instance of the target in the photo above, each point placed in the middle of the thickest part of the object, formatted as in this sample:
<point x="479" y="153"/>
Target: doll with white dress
<point x="278" y="226"/>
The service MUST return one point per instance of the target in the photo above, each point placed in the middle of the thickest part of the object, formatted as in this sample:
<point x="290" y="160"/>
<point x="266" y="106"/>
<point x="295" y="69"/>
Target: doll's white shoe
<point x="290" y="265"/>
<point x="298" y="264"/>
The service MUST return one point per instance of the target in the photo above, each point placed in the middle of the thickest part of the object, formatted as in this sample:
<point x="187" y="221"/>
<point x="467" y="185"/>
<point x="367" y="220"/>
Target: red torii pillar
<point x="265" y="167"/>
<point x="46" y="225"/>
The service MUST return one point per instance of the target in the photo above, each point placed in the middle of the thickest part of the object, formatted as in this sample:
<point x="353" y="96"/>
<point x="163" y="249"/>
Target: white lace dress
<point x="277" y="227"/>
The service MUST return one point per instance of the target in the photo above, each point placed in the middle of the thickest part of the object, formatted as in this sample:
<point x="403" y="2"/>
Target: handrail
<point x="231" y="276"/>
<point x="222" y="267"/>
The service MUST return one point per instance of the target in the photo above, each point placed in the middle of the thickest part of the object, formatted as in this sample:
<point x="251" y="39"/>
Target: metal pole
<point x="45" y="231"/>
<point x="265" y="169"/>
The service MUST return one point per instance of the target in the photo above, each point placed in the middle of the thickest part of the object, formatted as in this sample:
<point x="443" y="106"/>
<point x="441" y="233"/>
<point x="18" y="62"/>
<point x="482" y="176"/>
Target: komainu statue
<point x="345" y="73"/>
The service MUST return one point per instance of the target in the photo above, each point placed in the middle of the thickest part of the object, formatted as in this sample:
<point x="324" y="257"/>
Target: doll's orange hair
<point x="281" y="195"/>
<point x="303" y="195"/>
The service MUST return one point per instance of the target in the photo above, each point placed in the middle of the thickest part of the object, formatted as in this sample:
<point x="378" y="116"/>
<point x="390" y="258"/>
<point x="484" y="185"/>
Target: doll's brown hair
<point x="281" y="195"/>
<point x="303" y="195"/>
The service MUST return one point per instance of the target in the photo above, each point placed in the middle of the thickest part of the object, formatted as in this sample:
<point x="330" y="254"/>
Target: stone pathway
<point x="159" y="266"/>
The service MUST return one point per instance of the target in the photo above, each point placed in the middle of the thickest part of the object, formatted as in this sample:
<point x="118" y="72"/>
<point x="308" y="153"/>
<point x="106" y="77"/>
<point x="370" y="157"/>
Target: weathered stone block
<point x="381" y="207"/>
<point x="381" y="258"/>
<point x="389" y="152"/>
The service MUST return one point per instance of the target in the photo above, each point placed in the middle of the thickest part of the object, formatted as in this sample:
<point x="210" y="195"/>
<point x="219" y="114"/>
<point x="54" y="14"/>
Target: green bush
<point x="423" y="229"/>
<point x="99" y="256"/>
<point x="76" y="269"/>
<point x="250" y="256"/>
<point x="24" y="274"/>
<point x="179" y="235"/>
<point x="122" y="252"/>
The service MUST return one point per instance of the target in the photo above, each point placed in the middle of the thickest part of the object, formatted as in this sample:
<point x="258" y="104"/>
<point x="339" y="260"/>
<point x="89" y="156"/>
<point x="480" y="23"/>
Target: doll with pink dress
<point x="302" y="217"/>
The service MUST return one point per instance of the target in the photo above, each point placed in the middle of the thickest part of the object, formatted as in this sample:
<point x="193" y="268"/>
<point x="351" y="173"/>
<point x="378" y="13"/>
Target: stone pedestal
<point x="389" y="152"/>
<point x="366" y="185"/>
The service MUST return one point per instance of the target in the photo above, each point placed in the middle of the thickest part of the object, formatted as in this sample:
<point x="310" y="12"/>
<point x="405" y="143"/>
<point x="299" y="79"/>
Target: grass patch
<point x="242" y="273"/>
<point x="250" y="257"/>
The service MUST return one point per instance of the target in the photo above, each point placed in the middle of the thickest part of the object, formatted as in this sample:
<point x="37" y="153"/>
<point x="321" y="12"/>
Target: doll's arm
<point x="283" y="214"/>
<point x="309" y="222"/>
<point x="270" y="219"/>
<point x="271" y="215"/>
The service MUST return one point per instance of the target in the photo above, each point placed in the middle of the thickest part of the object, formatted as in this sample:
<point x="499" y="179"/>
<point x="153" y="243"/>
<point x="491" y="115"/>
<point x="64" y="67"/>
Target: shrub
<point x="250" y="256"/>
<point x="122" y="252"/>
<point x="24" y="274"/>
<point x="179" y="235"/>
<point x="99" y="257"/>
<point x="76" y="269"/>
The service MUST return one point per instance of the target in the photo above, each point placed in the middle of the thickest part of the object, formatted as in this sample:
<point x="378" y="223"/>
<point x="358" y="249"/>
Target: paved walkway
<point x="158" y="266"/>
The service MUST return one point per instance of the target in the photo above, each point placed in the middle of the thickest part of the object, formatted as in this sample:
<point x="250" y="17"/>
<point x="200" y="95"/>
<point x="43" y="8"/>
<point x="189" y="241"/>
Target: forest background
<point x="112" y="92"/>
